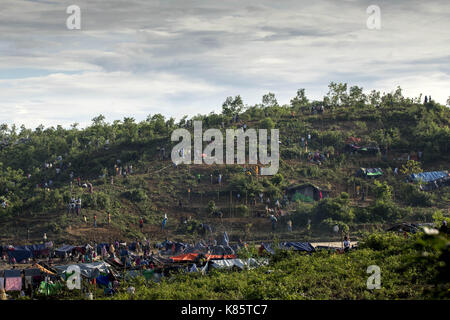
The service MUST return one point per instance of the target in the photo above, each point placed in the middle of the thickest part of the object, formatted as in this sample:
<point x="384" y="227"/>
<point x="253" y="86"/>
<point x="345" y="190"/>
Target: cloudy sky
<point x="184" y="57"/>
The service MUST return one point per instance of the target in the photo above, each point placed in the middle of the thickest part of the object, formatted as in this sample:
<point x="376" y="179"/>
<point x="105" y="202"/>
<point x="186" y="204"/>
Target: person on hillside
<point x="141" y="224"/>
<point x="163" y="224"/>
<point x="95" y="221"/>
<point x="289" y="225"/>
<point x="85" y="219"/>
<point x="198" y="178"/>
<point x="78" y="206"/>
<point x="444" y="228"/>
<point x="274" y="220"/>
<point x="109" y="218"/>
<point x="346" y="243"/>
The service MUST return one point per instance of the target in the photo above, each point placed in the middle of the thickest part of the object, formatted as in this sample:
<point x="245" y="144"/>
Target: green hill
<point x="392" y="126"/>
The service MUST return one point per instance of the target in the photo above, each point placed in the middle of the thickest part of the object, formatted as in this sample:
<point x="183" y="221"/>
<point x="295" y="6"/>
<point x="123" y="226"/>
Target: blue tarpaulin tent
<point x="64" y="249"/>
<point x="428" y="176"/>
<point x="296" y="246"/>
<point x="20" y="253"/>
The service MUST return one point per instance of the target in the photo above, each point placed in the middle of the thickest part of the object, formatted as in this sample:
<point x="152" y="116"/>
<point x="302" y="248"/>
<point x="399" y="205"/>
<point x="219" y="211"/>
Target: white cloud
<point x="184" y="57"/>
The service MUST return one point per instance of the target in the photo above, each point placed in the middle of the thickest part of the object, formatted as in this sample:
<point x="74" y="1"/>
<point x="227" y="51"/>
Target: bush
<point x="242" y="210"/>
<point x="137" y="195"/>
<point x="411" y="195"/>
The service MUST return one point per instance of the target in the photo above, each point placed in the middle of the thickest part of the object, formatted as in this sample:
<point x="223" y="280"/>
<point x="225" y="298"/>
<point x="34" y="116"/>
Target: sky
<point x="137" y="58"/>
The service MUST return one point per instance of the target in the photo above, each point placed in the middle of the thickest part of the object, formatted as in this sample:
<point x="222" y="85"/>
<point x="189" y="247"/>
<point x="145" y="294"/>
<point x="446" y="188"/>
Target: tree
<point x="99" y="120"/>
<point x="356" y="97"/>
<point x="232" y="106"/>
<point x="448" y="101"/>
<point x="269" y="100"/>
<point x="300" y="99"/>
<point x="411" y="167"/>
<point x="337" y="94"/>
<point x="383" y="191"/>
<point x="374" y="97"/>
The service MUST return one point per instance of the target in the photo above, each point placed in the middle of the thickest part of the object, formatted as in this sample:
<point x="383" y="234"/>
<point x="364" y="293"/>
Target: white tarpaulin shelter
<point x="88" y="270"/>
<point x="240" y="263"/>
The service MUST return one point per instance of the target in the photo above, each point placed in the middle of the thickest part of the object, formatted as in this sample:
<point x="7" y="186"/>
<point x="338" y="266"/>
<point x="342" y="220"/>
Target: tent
<point x="239" y="263"/>
<point x="369" y="172"/>
<point x="185" y="257"/>
<point x="20" y="253"/>
<point x="88" y="270"/>
<point x="405" y="227"/>
<point x="296" y="246"/>
<point x="307" y="192"/>
<point x="49" y="288"/>
<point x="428" y="176"/>
<point x="61" y="251"/>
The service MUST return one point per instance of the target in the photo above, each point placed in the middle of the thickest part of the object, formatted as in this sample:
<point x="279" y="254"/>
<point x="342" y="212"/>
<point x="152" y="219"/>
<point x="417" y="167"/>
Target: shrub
<point x="137" y="195"/>
<point x="242" y="210"/>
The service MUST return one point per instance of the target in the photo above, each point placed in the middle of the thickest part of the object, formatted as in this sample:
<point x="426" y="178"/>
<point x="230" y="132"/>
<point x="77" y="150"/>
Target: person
<point x="78" y="206"/>
<point x="95" y="221"/>
<point x="85" y="219"/>
<point x="109" y="218"/>
<point x="346" y="243"/>
<point x="444" y="228"/>
<point x="289" y="224"/>
<point x="164" y="222"/>
<point x="274" y="221"/>
<point x="198" y="178"/>
<point x="45" y="237"/>
<point x="141" y="224"/>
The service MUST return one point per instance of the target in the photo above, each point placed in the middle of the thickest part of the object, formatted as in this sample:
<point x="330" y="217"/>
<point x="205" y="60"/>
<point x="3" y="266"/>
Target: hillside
<point x="39" y="170"/>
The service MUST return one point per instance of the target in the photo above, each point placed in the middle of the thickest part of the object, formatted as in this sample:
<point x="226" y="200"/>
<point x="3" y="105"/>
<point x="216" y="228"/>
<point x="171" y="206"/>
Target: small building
<point x="307" y="192"/>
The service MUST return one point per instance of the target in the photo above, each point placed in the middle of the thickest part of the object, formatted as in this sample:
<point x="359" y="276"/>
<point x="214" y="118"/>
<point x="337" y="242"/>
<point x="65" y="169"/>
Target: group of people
<point x="74" y="206"/>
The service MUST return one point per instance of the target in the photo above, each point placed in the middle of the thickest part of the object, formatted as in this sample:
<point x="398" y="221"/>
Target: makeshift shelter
<point x="353" y="148"/>
<point x="296" y="246"/>
<point x="64" y="249"/>
<point x="369" y="172"/>
<point x="88" y="270"/>
<point x="44" y="270"/>
<point x="307" y="192"/>
<point x="20" y="253"/>
<point x="428" y="176"/>
<point x="238" y="263"/>
<point x="13" y="280"/>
